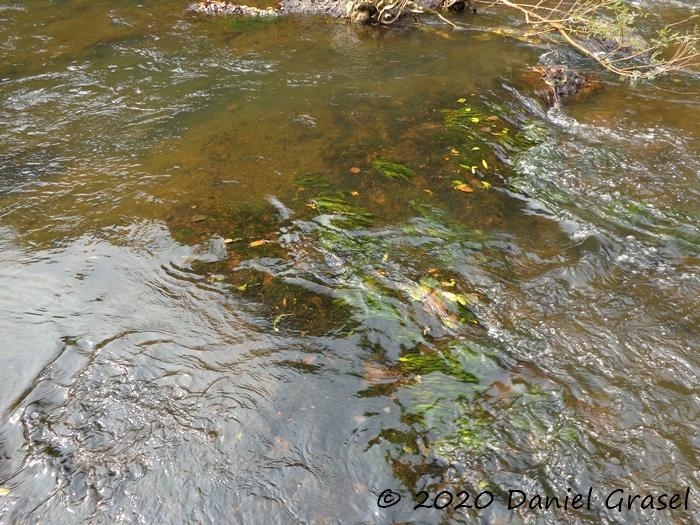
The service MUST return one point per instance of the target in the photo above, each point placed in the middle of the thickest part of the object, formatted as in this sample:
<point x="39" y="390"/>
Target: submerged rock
<point x="563" y="81"/>
<point x="557" y="79"/>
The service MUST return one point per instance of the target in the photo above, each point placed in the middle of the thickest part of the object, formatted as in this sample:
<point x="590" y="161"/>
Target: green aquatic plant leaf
<point x="444" y="362"/>
<point x="345" y="214"/>
<point x="392" y="170"/>
<point x="464" y="117"/>
<point x="313" y="181"/>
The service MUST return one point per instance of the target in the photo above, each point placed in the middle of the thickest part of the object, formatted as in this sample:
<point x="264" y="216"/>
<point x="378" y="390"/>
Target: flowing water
<point x="215" y="308"/>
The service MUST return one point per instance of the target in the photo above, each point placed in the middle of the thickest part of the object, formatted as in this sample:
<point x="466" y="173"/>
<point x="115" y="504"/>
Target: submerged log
<point x="360" y="11"/>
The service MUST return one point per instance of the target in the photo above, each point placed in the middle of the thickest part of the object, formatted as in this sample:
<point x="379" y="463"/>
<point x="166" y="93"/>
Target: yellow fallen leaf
<point x="255" y="244"/>
<point x="476" y="148"/>
<point x="355" y="170"/>
<point x="486" y="185"/>
<point x="484" y="164"/>
<point x="461" y="100"/>
<point x="4" y="491"/>
<point x="242" y="287"/>
<point x="449" y="296"/>
<point x="475" y="119"/>
<point x="454" y="151"/>
<point x="355" y="193"/>
<point x="474" y="169"/>
<point x="466" y="188"/>
<point x="228" y="241"/>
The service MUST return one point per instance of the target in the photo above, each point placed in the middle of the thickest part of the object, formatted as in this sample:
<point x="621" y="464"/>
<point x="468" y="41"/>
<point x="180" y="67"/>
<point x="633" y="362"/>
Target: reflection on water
<point x="216" y="309"/>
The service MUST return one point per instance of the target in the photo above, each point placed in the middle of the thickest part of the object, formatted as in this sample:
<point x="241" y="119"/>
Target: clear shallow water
<point x="155" y="373"/>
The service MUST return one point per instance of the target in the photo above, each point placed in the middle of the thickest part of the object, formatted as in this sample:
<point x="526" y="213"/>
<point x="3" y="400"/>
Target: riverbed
<point x="292" y="270"/>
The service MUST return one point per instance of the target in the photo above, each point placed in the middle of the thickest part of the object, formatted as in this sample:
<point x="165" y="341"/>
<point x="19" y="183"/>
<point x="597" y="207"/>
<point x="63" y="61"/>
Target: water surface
<point x="215" y="309"/>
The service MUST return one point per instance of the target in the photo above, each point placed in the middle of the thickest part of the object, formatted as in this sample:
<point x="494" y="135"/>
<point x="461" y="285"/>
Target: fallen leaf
<point x="486" y="185"/>
<point x="355" y="193"/>
<point x="198" y="218"/>
<point x="475" y="119"/>
<point x="484" y="164"/>
<point x="491" y="118"/>
<point x="4" y="491"/>
<point x="466" y="188"/>
<point x="228" y="241"/>
<point x="255" y="244"/>
<point x="476" y="148"/>
<point x="454" y="151"/>
<point x="461" y="100"/>
<point x="355" y="170"/>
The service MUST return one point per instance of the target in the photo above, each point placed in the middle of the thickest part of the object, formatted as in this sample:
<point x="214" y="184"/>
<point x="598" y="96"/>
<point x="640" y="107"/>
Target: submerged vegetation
<point x="392" y="170"/>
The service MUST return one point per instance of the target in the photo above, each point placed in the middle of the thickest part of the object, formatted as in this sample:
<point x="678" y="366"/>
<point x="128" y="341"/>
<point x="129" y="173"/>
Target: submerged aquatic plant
<point x="344" y="214"/>
<point x="392" y="170"/>
<point x="444" y="362"/>
<point x="313" y="181"/>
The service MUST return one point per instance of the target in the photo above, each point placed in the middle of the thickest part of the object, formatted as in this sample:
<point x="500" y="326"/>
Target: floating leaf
<point x="464" y="187"/>
<point x="391" y="169"/>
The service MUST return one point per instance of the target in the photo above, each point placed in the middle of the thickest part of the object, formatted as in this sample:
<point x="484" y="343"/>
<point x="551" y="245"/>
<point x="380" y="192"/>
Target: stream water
<point x="215" y="308"/>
